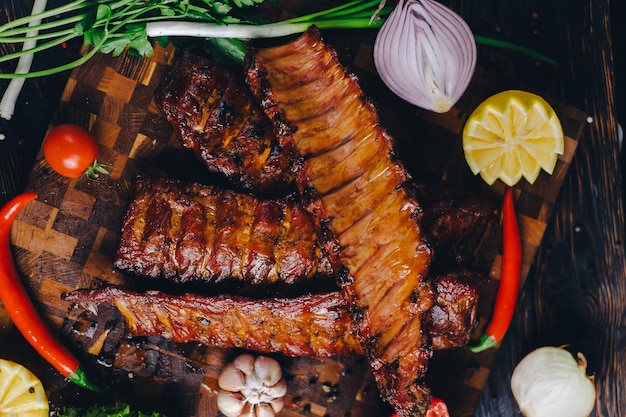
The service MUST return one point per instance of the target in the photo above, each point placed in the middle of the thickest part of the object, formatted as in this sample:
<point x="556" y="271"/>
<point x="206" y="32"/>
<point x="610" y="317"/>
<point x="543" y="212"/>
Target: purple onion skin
<point x="426" y="54"/>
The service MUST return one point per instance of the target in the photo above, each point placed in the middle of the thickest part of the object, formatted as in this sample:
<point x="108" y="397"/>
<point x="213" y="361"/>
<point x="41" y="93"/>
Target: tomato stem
<point x="508" y="289"/>
<point x="97" y="168"/>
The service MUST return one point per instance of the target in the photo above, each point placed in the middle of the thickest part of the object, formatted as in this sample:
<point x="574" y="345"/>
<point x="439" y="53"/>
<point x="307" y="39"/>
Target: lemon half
<point x="510" y="135"/>
<point x="21" y="392"/>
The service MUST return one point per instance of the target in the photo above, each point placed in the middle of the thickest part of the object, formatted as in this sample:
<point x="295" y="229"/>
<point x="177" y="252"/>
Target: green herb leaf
<point x="118" y="409"/>
<point x="132" y="36"/>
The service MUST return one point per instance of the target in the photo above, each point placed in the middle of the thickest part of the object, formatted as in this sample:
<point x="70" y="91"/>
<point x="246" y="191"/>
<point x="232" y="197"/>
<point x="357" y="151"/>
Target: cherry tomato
<point x="71" y="151"/>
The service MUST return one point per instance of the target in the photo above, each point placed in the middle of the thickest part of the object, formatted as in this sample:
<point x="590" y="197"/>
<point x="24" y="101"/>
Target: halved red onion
<point x="426" y="54"/>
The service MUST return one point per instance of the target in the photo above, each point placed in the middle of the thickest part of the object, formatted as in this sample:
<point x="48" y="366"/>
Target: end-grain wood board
<point x="65" y="239"/>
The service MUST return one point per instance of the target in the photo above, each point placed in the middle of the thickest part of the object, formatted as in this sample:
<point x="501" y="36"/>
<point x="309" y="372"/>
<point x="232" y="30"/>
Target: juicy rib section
<point x="306" y="325"/>
<point x="192" y="232"/>
<point x="315" y="324"/>
<point x="357" y="189"/>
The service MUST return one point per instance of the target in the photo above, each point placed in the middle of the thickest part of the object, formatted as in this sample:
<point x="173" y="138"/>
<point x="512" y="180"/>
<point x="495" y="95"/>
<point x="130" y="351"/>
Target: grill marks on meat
<point x="193" y="232"/>
<point x="357" y="190"/>
<point x="212" y="111"/>
<point x="307" y="325"/>
<point x="311" y="325"/>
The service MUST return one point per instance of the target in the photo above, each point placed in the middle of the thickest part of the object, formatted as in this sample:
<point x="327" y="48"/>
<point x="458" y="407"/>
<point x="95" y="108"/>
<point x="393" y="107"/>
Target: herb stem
<point x="39" y="48"/>
<point x="22" y="21"/>
<point x="341" y="10"/>
<point x="515" y="48"/>
<point x="40" y="36"/>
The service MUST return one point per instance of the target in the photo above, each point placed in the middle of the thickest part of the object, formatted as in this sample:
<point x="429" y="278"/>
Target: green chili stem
<point x="79" y="378"/>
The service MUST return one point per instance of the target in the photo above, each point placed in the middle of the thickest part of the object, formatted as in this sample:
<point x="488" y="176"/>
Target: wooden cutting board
<point x="65" y="239"/>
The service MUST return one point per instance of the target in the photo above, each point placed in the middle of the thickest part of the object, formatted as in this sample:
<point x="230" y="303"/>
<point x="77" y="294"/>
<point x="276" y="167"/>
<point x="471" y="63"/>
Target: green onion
<point x="111" y="26"/>
<point x="9" y="98"/>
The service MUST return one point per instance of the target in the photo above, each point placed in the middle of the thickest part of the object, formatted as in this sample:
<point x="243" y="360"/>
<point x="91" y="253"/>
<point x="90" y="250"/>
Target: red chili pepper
<point x="17" y="302"/>
<point x="509" y="279"/>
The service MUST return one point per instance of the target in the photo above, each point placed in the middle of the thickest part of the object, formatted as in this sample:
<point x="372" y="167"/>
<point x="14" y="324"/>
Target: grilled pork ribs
<point x="214" y="114"/>
<point x="353" y="183"/>
<point x="193" y="232"/>
<point x="307" y="325"/>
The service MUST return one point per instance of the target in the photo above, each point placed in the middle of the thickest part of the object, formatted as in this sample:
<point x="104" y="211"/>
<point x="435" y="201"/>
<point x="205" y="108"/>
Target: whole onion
<point x="549" y="381"/>
<point x="426" y="54"/>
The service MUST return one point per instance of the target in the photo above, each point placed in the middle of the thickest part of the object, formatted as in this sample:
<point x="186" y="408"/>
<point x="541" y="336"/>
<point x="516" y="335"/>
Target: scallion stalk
<point x="9" y="98"/>
<point x="116" y="25"/>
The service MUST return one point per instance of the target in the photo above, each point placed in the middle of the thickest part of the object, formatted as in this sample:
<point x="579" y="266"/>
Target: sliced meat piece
<point x="308" y="325"/>
<point x="457" y="223"/>
<point x="213" y="113"/>
<point x="352" y="181"/>
<point x="193" y="232"/>
<point x="313" y="325"/>
<point x="454" y="314"/>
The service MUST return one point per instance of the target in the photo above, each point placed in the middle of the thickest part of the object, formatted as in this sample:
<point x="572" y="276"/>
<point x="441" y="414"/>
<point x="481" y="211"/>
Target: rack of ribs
<point x="213" y="113"/>
<point x="306" y="325"/>
<point x="189" y="232"/>
<point x="352" y="181"/>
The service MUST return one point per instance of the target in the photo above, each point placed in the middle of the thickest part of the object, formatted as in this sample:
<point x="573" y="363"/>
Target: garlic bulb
<point x="251" y="387"/>
<point x="550" y="382"/>
<point x="426" y="54"/>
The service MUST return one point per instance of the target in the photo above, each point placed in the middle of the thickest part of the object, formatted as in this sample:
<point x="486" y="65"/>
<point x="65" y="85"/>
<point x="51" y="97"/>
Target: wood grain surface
<point x="575" y="291"/>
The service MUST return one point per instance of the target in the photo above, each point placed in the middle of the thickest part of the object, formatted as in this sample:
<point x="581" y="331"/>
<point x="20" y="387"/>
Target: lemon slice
<point x="21" y="392"/>
<point x="512" y="134"/>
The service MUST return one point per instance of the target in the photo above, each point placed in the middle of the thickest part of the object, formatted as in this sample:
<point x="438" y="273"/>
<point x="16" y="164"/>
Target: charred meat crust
<point x="307" y="325"/>
<point x="213" y="113"/>
<point x="312" y="325"/>
<point x="454" y="314"/>
<point x="356" y="184"/>
<point x="191" y="232"/>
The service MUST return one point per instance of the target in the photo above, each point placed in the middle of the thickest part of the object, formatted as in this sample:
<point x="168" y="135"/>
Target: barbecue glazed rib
<point x="315" y="324"/>
<point x="352" y="181"/>
<point x="213" y="113"/>
<point x="307" y="325"/>
<point x="193" y="232"/>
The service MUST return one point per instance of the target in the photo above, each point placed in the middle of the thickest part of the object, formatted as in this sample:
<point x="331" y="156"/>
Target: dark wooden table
<point x="576" y="292"/>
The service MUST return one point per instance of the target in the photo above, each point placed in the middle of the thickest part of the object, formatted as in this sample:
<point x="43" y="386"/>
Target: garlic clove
<point x="277" y="390"/>
<point x="264" y="410"/>
<point x="277" y="404"/>
<point x="245" y="363"/>
<point x="268" y="370"/>
<point x="230" y="404"/>
<point x="231" y="378"/>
